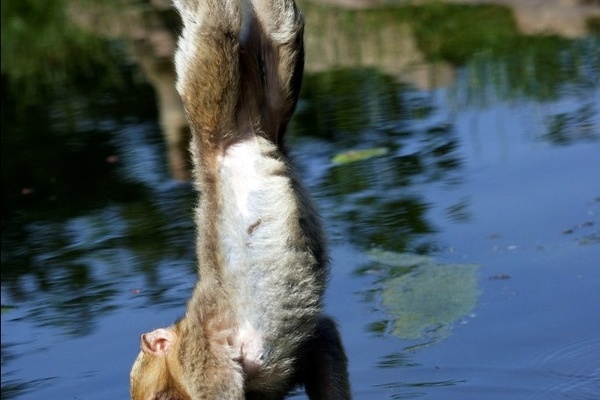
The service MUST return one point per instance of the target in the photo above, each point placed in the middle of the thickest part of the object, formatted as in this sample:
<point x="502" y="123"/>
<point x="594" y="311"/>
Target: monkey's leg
<point x="281" y="21"/>
<point x="207" y="63"/>
<point x="324" y="368"/>
<point x="281" y="27"/>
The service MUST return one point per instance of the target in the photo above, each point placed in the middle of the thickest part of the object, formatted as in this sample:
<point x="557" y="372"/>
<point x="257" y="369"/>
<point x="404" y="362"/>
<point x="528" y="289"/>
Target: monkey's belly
<point x="266" y="259"/>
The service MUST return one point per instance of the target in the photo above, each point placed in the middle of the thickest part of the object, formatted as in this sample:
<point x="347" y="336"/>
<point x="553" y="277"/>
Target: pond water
<point x="463" y="220"/>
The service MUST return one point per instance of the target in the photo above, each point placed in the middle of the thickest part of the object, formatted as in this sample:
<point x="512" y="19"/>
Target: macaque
<point x="254" y="326"/>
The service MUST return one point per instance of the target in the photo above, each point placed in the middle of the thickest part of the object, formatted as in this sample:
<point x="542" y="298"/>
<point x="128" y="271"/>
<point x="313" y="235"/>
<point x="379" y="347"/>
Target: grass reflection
<point x="43" y="51"/>
<point x="44" y="46"/>
<point x="483" y="38"/>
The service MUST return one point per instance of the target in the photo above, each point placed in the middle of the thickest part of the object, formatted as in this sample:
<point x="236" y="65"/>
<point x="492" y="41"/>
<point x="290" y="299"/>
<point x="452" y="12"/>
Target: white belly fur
<point x="255" y="232"/>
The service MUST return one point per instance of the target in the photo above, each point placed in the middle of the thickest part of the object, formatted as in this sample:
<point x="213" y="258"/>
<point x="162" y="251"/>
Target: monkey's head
<point x="156" y="373"/>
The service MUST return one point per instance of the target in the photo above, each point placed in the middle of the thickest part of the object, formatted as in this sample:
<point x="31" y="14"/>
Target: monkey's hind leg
<point x="207" y="63"/>
<point x="275" y="32"/>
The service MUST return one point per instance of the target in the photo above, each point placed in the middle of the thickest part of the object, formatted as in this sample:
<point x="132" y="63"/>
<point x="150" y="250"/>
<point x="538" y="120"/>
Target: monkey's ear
<point x="158" y="341"/>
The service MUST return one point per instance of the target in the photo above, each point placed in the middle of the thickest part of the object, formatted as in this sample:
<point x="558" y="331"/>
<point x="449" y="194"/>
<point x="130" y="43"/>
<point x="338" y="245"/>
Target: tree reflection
<point x="79" y="216"/>
<point x="570" y="127"/>
<point x="374" y="201"/>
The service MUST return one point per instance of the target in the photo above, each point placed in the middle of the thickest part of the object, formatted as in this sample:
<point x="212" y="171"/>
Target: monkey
<point x="254" y="326"/>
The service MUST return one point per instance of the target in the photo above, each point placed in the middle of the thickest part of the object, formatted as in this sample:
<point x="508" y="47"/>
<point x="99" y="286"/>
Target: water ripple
<point x="571" y="371"/>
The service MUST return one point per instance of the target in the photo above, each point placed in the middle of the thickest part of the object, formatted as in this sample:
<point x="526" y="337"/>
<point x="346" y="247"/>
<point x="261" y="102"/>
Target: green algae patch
<point x="429" y="297"/>
<point x="359" y="155"/>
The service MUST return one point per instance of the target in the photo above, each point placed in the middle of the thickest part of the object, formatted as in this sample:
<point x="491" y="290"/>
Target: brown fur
<point x="254" y="326"/>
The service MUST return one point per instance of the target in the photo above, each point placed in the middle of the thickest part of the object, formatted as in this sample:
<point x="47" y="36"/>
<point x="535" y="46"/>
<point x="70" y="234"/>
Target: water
<point x="465" y="256"/>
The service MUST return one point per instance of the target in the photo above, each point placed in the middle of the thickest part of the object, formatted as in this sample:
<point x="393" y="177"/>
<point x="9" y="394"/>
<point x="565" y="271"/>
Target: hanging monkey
<point x="254" y="326"/>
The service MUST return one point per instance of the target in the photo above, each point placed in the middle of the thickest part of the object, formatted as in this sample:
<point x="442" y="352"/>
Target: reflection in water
<point x="574" y="126"/>
<point x="373" y="199"/>
<point x="421" y="43"/>
<point x="83" y="206"/>
<point x="542" y="68"/>
<point x="13" y="389"/>
<point x="396" y="360"/>
<point x="410" y="389"/>
<point x="69" y="280"/>
<point x="92" y="226"/>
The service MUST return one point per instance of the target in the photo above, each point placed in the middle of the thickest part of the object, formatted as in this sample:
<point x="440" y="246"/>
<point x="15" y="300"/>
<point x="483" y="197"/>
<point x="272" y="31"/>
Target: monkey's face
<point x="156" y="372"/>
